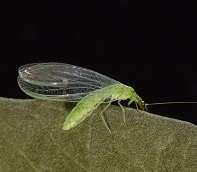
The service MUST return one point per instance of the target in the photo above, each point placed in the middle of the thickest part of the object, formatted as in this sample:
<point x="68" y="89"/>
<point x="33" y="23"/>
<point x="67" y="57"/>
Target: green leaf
<point x="32" y="139"/>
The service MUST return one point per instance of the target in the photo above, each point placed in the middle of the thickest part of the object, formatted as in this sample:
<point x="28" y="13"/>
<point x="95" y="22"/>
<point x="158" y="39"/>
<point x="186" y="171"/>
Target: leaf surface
<point x="32" y="139"/>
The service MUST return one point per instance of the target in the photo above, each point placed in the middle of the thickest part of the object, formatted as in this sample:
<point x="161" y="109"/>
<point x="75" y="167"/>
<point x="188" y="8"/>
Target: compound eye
<point x="143" y="105"/>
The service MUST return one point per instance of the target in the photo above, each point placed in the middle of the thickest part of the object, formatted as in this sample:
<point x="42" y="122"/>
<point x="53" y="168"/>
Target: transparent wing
<point x="59" y="81"/>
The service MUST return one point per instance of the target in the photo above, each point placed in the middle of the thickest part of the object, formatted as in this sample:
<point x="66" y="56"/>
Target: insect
<point x="65" y="82"/>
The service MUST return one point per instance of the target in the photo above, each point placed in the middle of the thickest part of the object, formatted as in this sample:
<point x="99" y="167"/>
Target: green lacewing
<point x="70" y="83"/>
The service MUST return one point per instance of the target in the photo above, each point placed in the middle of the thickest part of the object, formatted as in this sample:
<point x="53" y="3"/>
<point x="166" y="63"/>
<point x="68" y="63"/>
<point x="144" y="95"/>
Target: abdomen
<point x="85" y="107"/>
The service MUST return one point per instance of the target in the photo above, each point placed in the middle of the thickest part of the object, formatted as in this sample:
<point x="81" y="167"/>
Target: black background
<point x="150" y="46"/>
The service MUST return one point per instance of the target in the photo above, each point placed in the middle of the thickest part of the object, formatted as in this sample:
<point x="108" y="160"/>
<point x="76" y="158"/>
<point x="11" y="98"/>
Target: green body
<point x="89" y="103"/>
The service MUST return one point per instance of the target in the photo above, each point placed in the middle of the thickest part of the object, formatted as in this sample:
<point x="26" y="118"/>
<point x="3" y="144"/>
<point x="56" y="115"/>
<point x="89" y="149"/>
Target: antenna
<point x="165" y="103"/>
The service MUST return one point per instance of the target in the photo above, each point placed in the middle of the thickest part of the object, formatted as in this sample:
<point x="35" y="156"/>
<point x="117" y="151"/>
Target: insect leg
<point x="136" y="105"/>
<point x="103" y="118"/>
<point x="123" y="110"/>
